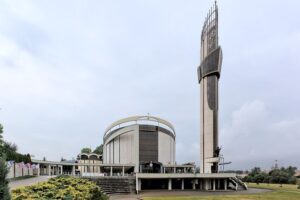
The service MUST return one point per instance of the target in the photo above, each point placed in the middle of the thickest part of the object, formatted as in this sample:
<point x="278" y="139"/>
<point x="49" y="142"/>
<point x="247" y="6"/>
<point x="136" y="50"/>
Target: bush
<point x="4" y="190"/>
<point x="281" y="176"/>
<point x="60" y="188"/>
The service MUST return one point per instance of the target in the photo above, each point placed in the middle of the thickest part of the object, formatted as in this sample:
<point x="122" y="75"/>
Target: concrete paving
<point x="28" y="181"/>
<point x="161" y="193"/>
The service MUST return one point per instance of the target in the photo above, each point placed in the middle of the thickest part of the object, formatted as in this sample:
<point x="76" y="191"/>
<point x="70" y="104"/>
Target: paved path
<point x="161" y="193"/>
<point x="28" y="181"/>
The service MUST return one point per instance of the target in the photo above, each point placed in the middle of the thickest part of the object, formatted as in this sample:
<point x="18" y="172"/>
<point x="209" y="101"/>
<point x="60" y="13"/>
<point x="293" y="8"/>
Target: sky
<point x="68" y="69"/>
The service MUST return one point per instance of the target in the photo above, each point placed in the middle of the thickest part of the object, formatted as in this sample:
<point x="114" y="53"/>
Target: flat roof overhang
<point x="183" y="175"/>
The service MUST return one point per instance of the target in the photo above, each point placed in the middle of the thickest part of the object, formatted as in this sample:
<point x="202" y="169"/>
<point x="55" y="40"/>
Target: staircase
<point x="115" y="185"/>
<point x="237" y="184"/>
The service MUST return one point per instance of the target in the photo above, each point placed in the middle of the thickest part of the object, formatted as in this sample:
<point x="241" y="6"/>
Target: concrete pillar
<point x="140" y="184"/>
<point x="137" y="185"/>
<point x="214" y="184"/>
<point x="206" y="184"/>
<point x="194" y="184"/>
<point x="73" y="170"/>
<point x="174" y="170"/>
<point x="200" y="184"/>
<point x="123" y="171"/>
<point x="61" y="170"/>
<point x="219" y="185"/>
<point x="225" y="184"/>
<point x="49" y="170"/>
<point x="164" y="170"/>
<point x="39" y="171"/>
<point x="184" y="170"/>
<point x="182" y="184"/>
<point x="111" y="170"/>
<point x="170" y="184"/>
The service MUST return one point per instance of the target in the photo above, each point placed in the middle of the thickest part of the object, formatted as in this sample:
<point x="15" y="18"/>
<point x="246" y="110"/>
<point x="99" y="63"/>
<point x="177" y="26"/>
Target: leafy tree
<point x="255" y="171"/>
<point x="291" y="170"/>
<point x="4" y="189"/>
<point x="99" y="149"/>
<point x="10" y="146"/>
<point x="282" y="175"/>
<point x="260" y="177"/>
<point x="86" y="150"/>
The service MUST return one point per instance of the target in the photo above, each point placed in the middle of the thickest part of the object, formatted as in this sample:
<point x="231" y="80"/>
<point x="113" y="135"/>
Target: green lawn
<point x="286" y="192"/>
<point x="22" y="177"/>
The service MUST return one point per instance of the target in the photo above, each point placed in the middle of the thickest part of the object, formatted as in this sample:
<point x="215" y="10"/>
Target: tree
<point x="10" y="146"/>
<point x="255" y="171"/>
<point x="291" y="170"/>
<point x="99" y="149"/>
<point x="4" y="189"/>
<point x="86" y="150"/>
<point x="1" y="136"/>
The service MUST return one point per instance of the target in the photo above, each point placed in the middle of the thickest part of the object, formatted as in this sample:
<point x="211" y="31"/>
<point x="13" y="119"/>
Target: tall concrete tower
<point x="208" y="77"/>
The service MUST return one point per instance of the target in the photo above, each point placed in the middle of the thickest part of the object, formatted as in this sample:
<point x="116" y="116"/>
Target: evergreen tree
<point x="4" y="189"/>
<point x="1" y="136"/>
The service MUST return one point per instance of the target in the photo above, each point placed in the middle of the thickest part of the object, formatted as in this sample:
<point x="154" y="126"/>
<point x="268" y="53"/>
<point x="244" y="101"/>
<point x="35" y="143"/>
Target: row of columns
<point x="58" y="170"/>
<point x="205" y="184"/>
<point x="175" y="169"/>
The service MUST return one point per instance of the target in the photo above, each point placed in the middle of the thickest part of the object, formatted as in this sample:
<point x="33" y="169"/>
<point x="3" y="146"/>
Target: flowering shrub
<point x="66" y="188"/>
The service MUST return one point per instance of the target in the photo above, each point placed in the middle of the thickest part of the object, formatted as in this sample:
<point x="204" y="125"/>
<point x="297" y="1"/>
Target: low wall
<point x="21" y="169"/>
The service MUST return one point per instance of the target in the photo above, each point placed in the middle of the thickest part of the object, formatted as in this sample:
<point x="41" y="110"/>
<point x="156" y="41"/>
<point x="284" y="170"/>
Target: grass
<point x="21" y="177"/>
<point x="286" y="192"/>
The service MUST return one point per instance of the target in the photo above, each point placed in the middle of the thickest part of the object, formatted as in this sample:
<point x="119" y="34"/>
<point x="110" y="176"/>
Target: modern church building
<point x="143" y="147"/>
<point x="140" y="140"/>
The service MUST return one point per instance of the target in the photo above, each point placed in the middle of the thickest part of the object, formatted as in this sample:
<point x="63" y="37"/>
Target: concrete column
<point x="164" y="170"/>
<point x="123" y="171"/>
<point x="39" y="171"/>
<point x="140" y="184"/>
<point x="182" y="184"/>
<point x="200" y="184"/>
<point x="225" y="184"/>
<point x="49" y="170"/>
<point x="61" y="170"/>
<point x="111" y="170"/>
<point x="73" y="170"/>
<point x="174" y="170"/>
<point x="194" y="184"/>
<point x="214" y="184"/>
<point x="170" y="184"/>
<point x="219" y="185"/>
<point x="206" y="184"/>
<point x="136" y="148"/>
<point x="184" y="170"/>
<point x="137" y="185"/>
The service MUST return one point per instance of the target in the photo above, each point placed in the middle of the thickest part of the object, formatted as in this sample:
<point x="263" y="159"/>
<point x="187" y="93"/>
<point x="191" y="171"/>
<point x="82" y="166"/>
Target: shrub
<point x="60" y="188"/>
<point x="4" y="190"/>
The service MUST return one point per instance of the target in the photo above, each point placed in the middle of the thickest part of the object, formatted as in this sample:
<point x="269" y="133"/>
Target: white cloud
<point x="254" y="138"/>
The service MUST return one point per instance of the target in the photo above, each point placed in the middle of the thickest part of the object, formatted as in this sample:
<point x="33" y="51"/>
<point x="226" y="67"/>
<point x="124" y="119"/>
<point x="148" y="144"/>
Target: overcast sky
<point x="70" y="68"/>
